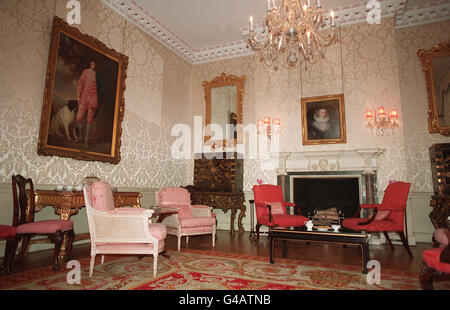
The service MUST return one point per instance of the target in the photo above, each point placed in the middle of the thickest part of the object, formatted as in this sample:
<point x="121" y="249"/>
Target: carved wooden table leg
<point x="233" y="217"/>
<point x="241" y="216"/>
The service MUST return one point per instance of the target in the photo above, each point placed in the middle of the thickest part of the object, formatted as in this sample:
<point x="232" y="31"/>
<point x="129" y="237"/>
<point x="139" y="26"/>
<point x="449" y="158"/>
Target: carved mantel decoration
<point x="436" y="67"/>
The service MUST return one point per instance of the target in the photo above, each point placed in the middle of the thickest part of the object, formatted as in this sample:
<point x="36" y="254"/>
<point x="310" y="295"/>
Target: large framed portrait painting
<point x="83" y="104"/>
<point x="323" y="120"/>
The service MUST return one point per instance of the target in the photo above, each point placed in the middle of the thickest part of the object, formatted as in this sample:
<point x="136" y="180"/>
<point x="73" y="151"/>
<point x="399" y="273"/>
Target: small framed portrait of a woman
<point x="323" y="120"/>
<point x="83" y="105"/>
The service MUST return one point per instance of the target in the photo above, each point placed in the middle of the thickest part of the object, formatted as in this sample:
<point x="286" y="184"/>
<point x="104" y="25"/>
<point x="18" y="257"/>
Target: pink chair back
<point x="396" y="196"/>
<point x="101" y="196"/>
<point x="176" y="196"/>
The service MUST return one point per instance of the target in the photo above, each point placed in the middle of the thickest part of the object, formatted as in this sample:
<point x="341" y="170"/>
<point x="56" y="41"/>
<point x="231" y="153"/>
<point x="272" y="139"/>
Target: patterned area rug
<point x="209" y="270"/>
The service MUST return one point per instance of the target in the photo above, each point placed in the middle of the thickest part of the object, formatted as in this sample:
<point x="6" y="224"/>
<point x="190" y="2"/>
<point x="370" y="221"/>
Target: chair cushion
<point x="431" y="258"/>
<point x="283" y="220"/>
<point x="7" y="231"/>
<point x="289" y="220"/>
<point x="102" y="197"/>
<point x="45" y="227"/>
<point x="442" y="235"/>
<point x="375" y="225"/>
<point x="158" y="230"/>
<point x="184" y="212"/>
<point x="381" y="215"/>
<point x="197" y="222"/>
<point x="276" y="207"/>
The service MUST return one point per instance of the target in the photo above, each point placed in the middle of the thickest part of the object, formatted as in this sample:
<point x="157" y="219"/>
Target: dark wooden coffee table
<point x="344" y="237"/>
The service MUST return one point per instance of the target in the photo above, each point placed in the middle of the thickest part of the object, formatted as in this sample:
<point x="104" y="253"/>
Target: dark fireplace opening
<point x="314" y="194"/>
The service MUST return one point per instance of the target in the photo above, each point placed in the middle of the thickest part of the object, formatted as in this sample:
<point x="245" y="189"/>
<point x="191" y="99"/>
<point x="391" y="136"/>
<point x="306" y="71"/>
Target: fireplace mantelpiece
<point x="364" y="160"/>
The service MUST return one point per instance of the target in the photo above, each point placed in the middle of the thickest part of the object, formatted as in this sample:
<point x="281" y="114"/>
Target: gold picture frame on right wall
<point x="323" y="120"/>
<point x="436" y="67"/>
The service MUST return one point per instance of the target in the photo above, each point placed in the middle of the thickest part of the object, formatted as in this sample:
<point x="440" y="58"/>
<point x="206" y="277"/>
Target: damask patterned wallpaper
<point x="157" y="96"/>
<point x="371" y="64"/>
<point x="414" y="99"/>
<point x="362" y="65"/>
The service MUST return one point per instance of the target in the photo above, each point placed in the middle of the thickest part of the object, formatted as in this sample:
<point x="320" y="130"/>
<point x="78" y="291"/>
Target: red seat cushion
<point x="45" y="227"/>
<point x="7" y="231"/>
<point x="431" y="258"/>
<point x="283" y="220"/>
<point x="375" y="225"/>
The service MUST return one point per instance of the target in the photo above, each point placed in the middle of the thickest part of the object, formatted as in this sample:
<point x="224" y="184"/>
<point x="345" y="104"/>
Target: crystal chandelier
<point x="292" y="31"/>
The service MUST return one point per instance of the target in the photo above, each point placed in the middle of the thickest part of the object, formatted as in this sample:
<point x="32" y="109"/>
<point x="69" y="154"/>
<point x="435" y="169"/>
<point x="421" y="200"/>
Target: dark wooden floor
<point x="240" y="243"/>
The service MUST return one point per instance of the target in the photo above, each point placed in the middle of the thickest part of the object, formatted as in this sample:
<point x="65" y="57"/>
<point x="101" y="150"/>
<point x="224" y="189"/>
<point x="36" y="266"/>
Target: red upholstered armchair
<point x="389" y="216"/>
<point x="436" y="261"/>
<point x="271" y="210"/>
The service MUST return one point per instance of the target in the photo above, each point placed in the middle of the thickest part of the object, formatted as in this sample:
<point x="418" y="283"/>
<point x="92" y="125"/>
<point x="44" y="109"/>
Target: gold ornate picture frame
<point x="436" y="68"/>
<point x="83" y="105"/>
<point x="323" y="120"/>
<point x="235" y="117"/>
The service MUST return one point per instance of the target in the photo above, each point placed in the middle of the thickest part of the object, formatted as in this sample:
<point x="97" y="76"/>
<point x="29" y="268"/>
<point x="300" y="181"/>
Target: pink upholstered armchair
<point x="389" y="215"/>
<point x="190" y="220"/>
<point x="121" y="230"/>
<point x="270" y="208"/>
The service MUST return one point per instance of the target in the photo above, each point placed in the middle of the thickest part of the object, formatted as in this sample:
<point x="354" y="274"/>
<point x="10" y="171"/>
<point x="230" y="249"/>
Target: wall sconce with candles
<point x="385" y="124"/>
<point x="268" y="127"/>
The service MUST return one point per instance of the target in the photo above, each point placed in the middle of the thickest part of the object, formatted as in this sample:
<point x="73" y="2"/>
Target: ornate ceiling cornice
<point x="405" y="16"/>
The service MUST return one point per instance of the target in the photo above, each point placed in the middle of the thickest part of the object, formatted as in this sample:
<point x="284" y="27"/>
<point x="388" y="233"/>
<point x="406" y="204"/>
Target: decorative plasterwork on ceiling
<point x="405" y="16"/>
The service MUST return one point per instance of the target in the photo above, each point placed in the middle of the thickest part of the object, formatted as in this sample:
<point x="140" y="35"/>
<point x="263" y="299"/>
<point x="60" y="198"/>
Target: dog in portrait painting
<point x="64" y="120"/>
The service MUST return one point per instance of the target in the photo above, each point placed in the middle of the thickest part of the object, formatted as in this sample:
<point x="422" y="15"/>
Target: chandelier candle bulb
<point x="266" y="120"/>
<point x="369" y="115"/>
<point x="250" y="20"/>
<point x="318" y="4"/>
<point x="308" y="34"/>
<point x="268" y="5"/>
<point x="332" y="17"/>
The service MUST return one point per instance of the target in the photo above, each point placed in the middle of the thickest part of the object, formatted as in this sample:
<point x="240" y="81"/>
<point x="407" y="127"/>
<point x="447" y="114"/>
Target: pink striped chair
<point x="191" y="220"/>
<point x="121" y="230"/>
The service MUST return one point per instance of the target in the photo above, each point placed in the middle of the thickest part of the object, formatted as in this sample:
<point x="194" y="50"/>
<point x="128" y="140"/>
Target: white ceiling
<point x="208" y="30"/>
<point x="202" y="24"/>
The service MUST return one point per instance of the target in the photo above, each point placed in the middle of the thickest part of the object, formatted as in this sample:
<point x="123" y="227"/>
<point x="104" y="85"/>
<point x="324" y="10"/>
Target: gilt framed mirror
<point x="224" y="96"/>
<point x="436" y="67"/>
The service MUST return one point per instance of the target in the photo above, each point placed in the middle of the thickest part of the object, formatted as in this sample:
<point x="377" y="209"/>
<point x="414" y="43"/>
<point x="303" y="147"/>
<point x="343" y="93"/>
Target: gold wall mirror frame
<point x="224" y="98"/>
<point x="436" y="67"/>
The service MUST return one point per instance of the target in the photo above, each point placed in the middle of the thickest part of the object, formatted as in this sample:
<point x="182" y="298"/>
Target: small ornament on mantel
<point x="259" y="181"/>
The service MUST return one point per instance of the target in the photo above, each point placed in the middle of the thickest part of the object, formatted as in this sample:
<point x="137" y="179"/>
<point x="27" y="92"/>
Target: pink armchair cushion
<point x="158" y="230"/>
<point x="102" y="197"/>
<point x="381" y="215"/>
<point x="45" y="227"/>
<point x="7" y="231"/>
<point x="197" y="222"/>
<point x="184" y="212"/>
<point x="432" y="258"/>
<point x="442" y="235"/>
<point x="276" y="207"/>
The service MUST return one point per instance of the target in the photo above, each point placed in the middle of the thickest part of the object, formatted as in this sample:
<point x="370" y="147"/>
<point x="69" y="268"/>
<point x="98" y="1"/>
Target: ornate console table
<point x="223" y="201"/>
